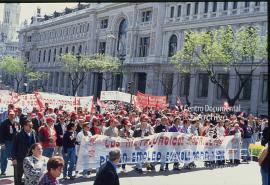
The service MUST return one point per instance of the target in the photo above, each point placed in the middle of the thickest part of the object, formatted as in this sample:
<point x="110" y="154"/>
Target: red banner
<point x="144" y="100"/>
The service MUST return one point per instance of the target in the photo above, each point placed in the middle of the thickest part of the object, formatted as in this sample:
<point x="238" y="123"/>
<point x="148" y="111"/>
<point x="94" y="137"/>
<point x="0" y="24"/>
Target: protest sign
<point x="162" y="147"/>
<point x="115" y="96"/>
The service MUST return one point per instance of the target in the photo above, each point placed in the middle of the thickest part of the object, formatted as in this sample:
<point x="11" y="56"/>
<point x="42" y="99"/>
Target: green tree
<point x="205" y="50"/>
<point x="78" y="66"/>
<point x="15" y="67"/>
<point x="34" y="76"/>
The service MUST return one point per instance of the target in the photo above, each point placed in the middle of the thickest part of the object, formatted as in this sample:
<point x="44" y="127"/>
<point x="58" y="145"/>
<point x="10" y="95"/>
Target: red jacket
<point x="44" y="134"/>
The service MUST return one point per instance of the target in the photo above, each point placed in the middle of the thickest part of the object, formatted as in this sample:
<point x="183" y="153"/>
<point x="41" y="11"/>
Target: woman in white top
<point x="85" y="134"/>
<point x="35" y="165"/>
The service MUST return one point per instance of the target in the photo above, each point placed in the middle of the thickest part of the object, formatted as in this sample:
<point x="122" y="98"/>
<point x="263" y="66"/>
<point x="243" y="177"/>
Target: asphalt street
<point x="243" y="174"/>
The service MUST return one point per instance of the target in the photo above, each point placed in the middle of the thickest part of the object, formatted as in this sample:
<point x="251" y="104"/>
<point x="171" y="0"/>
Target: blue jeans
<point x="5" y="154"/>
<point x="70" y="160"/>
<point x="245" y="145"/>
<point x="265" y="178"/>
<point x="48" y="152"/>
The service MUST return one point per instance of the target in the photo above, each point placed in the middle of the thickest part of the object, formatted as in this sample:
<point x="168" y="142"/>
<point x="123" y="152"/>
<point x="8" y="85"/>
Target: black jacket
<point x="59" y="132"/>
<point x="160" y="128"/>
<point x="69" y="140"/>
<point x="21" y="144"/>
<point x="265" y="136"/>
<point x="8" y="130"/>
<point x="107" y="175"/>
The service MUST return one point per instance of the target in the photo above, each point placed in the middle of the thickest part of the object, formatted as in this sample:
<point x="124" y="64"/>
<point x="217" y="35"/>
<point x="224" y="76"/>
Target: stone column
<point x="255" y="89"/>
<point x="232" y="83"/>
<point x="175" y="87"/>
<point x="92" y="39"/>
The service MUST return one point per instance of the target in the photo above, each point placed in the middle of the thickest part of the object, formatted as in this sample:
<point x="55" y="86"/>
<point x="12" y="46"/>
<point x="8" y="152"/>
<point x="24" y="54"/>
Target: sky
<point x="30" y="9"/>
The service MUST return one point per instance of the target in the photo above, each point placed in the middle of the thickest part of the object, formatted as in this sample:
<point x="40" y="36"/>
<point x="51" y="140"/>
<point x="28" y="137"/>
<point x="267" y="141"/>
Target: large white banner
<point x="116" y="95"/>
<point x="163" y="147"/>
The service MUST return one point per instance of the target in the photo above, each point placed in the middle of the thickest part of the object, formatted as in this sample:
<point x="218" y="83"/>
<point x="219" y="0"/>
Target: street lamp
<point x="121" y="55"/>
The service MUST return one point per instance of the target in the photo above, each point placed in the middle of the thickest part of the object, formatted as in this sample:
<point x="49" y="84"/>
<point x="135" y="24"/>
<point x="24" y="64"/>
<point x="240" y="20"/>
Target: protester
<point x="20" y="147"/>
<point x="47" y="137"/>
<point x="247" y="139"/>
<point x="107" y="174"/>
<point x="4" y="115"/>
<point x="54" y="170"/>
<point x="60" y="128"/>
<point x="85" y="134"/>
<point x="8" y="130"/>
<point x="112" y="130"/>
<point x="35" y="165"/>
<point x="69" y="152"/>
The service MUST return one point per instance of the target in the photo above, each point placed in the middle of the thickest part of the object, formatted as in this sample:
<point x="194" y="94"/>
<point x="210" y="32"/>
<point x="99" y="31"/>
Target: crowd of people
<point x="43" y="144"/>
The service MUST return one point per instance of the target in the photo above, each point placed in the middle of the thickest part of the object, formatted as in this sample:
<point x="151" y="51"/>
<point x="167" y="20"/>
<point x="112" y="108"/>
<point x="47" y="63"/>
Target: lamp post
<point x="129" y="90"/>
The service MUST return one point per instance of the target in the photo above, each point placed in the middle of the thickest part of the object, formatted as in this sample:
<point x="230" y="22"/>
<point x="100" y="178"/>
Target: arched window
<point x="73" y="50"/>
<point x="39" y="56"/>
<point x="66" y="49"/>
<point x="172" y="46"/>
<point x="122" y="37"/>
<point x="49" y="57"/>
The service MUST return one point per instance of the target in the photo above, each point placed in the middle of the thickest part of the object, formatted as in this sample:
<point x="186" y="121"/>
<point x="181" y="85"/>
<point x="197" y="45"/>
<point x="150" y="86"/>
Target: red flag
<point x="179" y="102"/>
<point x="39" y="101"/>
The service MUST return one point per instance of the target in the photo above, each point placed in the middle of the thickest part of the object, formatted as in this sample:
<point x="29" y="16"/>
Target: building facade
<point x="145" y="36"/>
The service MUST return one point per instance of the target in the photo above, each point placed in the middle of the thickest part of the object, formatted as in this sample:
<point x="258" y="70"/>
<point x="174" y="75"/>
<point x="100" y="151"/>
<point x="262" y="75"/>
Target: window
<point x="104" y="23"/>
<point x="167" y="84"/>
<point x="80" y="49"/>
<point x="102" y="48"/>
<point x="74" y="29"/>
<point x="39" y="56"/>
<point x="172" y="46"/>
<point x="206" y="7"/>
<point x="81" y="28"/>
<point x="223" y="79"/>
<point x="234" y="5"/>
<point x="49" y="57"/>
<point x="44" y="55"/>
<point x="265" y="89"/>
<point x="172" y="12"/>
<point x="246" y="4"/>
<point x="188" y="9"/>
<point x="257" y="3"/>
<point x="146" y="16"/>
<point x="60" y="51"/>
<point x="87" y="29"/>
<point x="184" y="86"/>
<point x="246" y="91"/>
<point x="66" y="49"/>
<point x="144" y="46"/>
<point x="54" y="54"/>
<point x="225" y="6"/>
<point x="214" y="6"/>
<point x="73" y="50"/>
<point x="29" y="38"/>
<point x="203" y="85"/>
<point x="179" y="10"/>
<point x="196" y="8"/>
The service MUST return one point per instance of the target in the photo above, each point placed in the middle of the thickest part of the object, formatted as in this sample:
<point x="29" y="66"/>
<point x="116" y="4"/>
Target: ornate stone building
<point x="144" y="35"/>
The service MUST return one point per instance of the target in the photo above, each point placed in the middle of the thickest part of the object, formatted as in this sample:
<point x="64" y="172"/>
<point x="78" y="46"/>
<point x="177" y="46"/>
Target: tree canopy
<point x="224" y="47"/>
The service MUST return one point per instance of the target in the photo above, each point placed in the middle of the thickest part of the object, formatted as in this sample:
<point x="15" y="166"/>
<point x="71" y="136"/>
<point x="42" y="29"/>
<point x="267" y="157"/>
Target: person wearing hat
<point x="112" y="130"/>
<point x="85" y="134"/>
<point x="47" y="137"/>
<point x="20" y="147"/>
<point x="8" y="130"/>
<point x="60" y="128"/>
